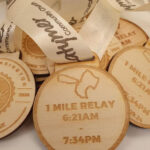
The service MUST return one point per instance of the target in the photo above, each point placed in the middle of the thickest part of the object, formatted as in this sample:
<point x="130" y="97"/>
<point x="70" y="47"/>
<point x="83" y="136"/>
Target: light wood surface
<point x="17" y="91"/>
<point x="33" y="56"/>
<point x="81" y="107"/>
<point x="131" y="67"/>
<point x="128" y="34"/>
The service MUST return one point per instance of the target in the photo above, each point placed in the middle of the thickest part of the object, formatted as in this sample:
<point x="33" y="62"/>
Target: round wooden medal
<point x="81" y="107"/>
<point x="33" y="56"/>
<point x="17" y="91"/>
<point x="131" y="67"/>
<point x="128" y="34"/>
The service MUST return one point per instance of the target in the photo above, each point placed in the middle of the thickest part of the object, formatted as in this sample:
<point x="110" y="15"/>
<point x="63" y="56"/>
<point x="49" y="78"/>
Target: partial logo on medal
<point x="87" y="81"/>
<point x="31" y="48"/>
<point x="17" y="89"/>
<point x="6" y="92"/>
<point x="10" y="3"/>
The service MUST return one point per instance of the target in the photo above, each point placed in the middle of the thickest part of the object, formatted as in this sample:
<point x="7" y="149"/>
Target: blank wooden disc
<point x="128" y="34"/>
<point x="17" y="91"/>
<point x="33" y="56"/>
<point x="131" y="67"/>
<point x="80" y="108"/>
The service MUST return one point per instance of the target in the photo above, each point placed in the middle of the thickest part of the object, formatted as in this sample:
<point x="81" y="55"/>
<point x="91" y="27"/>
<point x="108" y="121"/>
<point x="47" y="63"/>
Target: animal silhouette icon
<point x="87" y="81"/>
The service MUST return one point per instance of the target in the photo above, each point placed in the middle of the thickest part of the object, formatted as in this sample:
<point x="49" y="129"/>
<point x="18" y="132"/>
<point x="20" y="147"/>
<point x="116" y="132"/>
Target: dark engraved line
<point x="1" y="34"/>
<point x="126" y="6"/>
<point x="58" y="39"/>
<point x="10" y="2"/>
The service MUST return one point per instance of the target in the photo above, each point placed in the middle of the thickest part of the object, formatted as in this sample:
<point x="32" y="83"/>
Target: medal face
<point x="17" y="91"/>
<point x="128" y="34"/>
<point x="131" y="68"/>
<point x="81" y="107"/>
<point x="33" y="56"/>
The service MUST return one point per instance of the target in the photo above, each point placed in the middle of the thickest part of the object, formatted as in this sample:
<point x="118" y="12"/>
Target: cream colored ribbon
<point x="58" y="40"/>
<point x="100" y="27"/>
<point x="122" y="5"/>
<point x="7" y="43"/>
<point x="97" y="32"/>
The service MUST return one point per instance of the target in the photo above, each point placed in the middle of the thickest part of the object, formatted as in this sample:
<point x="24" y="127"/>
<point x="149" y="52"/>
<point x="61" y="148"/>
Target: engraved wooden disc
<point x="33" y="56"/>
<point x="81" y="107"/>
<point x="17" y="91"/>
<point x="128" y="34"/>
<point x="131" y="67"/>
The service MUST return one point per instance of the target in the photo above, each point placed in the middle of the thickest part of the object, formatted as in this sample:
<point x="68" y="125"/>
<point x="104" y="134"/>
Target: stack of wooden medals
<point x="35" y="59"/>
<point x="81" y="104"/>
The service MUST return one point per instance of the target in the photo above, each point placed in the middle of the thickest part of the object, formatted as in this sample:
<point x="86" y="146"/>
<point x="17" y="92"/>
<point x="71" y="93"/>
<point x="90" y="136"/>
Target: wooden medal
<point x="128" y="34"/>
<point x="42" y="78"/>
<point x="81" y="107"/>
<point x="17" y="91"/>
<point x="131" y="69"/>
<point x="33" y="56"/>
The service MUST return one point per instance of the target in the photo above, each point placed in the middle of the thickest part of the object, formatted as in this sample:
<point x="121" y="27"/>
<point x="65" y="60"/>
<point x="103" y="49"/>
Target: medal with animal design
<point x="78" y="108"/>
<point x="128" y="34"/>
<point x="131" y="68"/>
<point x="17" y="91"/>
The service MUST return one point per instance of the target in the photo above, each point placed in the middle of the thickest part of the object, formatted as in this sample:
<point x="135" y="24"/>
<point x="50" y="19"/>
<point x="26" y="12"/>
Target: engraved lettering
<point x="82" y="139"/>
<point x="49" y="28"/>
<point x="138" y="105"/>
<point x="10" y="3"/>
<point x="125" y="4"/>
<point x="137" y="117"/>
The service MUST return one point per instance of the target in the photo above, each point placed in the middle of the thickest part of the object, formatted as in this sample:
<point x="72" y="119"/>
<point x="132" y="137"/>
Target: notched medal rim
<point x="126" y="122"/>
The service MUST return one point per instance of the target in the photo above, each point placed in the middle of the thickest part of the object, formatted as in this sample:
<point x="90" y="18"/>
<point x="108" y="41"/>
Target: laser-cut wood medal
<point x="128" y="34"/>
<point x="78" y="108"/>
<point x="131" y="67"/>
<point x="33" y="56"/>
<point x="17" y="91"/>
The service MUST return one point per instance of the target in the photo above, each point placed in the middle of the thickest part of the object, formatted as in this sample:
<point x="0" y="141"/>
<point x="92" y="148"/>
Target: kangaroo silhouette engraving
<point x="1" y="34"/>
<point x="87" y="81"/>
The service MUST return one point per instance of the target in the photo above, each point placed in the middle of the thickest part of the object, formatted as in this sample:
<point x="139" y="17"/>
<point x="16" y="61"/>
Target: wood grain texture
<point x="33" y="56"/>
<point x="131" y="67"/>
<point x="81" y="107"/>
<point x="17" y="91"/>
<point x="128" y="34"/>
